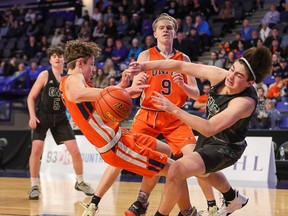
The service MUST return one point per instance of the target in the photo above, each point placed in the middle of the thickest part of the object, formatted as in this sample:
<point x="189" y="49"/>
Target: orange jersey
<point x="117" y="146"/>
<point x="162" y="82"/>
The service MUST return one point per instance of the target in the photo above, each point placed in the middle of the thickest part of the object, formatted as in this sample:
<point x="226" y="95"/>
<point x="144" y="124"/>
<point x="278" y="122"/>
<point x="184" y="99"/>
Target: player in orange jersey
<point x="149" y="120"/>
<point x="136" y="152"/>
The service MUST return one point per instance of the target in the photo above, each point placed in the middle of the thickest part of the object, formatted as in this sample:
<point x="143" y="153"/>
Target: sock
<point x="211" y="203"/>
<point x="143" y="198"/>
<point x="158" y="214"/>
<point x="34" y="181"/>
<point x="79" y="178"/>
<point x="187" y="212"/>
<point x="229" y="195"/>
<point x="95" y="200"/>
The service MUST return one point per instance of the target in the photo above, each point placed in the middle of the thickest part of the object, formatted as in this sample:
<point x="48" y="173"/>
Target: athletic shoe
<point x="228" y="207"/>
<point x="136" y="209"/>
<point x="212" y="210"/>
<point x="84" y="188"/>
<point x="34" y="193"/>
<point x="194" y="212"/>
<point x="89" y="209"/>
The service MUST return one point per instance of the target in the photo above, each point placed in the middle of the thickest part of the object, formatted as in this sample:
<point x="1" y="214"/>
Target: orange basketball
<point x="113" y="104"/>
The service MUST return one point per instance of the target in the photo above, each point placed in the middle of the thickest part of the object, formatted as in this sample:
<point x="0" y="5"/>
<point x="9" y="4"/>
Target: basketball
<point x="113" y="104"/>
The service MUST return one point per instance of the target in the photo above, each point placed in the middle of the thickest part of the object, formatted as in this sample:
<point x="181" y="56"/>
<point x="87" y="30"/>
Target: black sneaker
<point x="136" y="209"/>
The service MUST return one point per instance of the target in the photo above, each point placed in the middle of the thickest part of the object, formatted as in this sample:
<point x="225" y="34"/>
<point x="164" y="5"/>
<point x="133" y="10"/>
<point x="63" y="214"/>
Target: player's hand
<point x="135" y="90"/>
<point x="125" y="80"/>
<point x="135" y="67"/>
<point x="33" y="122"/>
<point x="140" y="79"/>
<point x="163" y="103"/>
<point x="178" y="79"/>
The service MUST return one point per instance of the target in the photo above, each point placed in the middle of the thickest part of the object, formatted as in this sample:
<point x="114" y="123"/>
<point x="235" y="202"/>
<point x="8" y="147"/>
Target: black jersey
<point x="50" y="97"/>
<point x="218" y="102"/>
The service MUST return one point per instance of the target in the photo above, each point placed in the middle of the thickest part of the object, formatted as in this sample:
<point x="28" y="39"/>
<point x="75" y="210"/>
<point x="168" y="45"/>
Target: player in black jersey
<point x="49" y="112"/>
<point x="232" y="101"/>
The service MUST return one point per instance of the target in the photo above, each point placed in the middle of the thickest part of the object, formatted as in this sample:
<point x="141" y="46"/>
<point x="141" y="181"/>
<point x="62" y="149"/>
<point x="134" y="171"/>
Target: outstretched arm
<point x="212" y="73"/>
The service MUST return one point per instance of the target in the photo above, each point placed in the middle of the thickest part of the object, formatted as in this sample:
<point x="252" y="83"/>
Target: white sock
<point x="79" y="178"/>
<point x="34" y="181"/>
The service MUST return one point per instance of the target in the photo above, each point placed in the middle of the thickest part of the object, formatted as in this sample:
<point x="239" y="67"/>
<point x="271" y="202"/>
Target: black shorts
<point x="218" y="155"/>
<point x="58" y="124"/>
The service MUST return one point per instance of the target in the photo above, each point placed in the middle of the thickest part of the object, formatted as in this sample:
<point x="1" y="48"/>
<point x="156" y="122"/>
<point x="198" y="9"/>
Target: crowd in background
<point x="123" y="29"/>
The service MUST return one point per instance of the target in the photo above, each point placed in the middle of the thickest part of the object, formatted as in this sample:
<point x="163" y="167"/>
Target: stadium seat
<point x="269" y="80"/>
<point x="282" y="107"/>
<point x="284" y="123"/>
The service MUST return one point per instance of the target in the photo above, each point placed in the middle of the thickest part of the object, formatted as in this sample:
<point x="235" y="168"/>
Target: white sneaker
<point x="89" y="209"/>
<point x="212" y="210"/>
<point x="228" y="207"/>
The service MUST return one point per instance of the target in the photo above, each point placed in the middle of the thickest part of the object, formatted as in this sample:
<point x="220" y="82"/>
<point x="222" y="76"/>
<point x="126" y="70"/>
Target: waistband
<point x="243" y="142"/>
<point x="110" y="144"/>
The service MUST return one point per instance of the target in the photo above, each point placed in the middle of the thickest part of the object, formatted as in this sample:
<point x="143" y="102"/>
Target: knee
<point x="175" y="172"/>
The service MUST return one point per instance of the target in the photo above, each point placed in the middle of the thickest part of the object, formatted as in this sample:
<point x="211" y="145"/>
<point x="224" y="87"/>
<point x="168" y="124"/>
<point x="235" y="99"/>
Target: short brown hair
<point x="165" y="16"/>
<point x="55" y="50"/>
<point x="75" y="49"/>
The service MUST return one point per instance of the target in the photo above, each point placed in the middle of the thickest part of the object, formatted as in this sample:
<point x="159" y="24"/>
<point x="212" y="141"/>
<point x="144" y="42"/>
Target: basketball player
<point x="49" y="112"/>
<point x="153" y="121"/>
<point x="232" y="101"/>
<point x="139" y="153"/>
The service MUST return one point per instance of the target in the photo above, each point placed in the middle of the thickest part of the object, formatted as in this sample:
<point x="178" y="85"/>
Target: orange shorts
<point x="176" y="133"/>
<point x="135" y="152"/>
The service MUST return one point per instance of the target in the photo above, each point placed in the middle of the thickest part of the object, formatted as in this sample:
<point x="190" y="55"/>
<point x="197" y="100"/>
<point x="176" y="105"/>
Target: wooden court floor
<point x="60" y="198"/>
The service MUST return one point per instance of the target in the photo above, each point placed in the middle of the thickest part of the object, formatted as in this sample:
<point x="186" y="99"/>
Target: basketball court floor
<point x="59" y="198"/>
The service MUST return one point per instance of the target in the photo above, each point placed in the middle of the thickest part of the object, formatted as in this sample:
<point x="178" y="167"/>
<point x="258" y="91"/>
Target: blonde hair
<point x="165" y="16"/>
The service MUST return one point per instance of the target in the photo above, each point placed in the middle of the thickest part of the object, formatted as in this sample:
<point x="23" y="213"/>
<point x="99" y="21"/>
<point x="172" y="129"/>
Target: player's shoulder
<point x="144" y="56"/>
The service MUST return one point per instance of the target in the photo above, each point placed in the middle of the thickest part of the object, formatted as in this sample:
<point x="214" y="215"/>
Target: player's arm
<point x="77" y="91"/>
<point x="237" y="109"/>
<point x="141" y="78"/>
<point x="190" y="88"/>
<point x="212" y="73"/>
<point x="34" y="92"/>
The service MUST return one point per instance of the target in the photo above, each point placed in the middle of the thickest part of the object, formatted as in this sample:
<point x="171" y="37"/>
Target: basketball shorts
<point x="218" y="155"/>
<point x="58" y="124"/>
<point x="176" y="133"/>
<point x="135" y="152"/>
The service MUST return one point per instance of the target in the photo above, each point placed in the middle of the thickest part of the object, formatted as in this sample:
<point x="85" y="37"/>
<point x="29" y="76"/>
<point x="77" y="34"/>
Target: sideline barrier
<point x="256" y="167"/>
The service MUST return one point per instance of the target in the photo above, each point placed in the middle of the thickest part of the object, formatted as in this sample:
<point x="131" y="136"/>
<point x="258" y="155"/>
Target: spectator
<point x="31" y="49"/>
<point x="44" y="45"/>
<point x="10" y="67"/>
<point x="135" y="50"/>
<point x="229" y="60"/>
<point x="147" y="26"/>
<point x="149" y="42"/>
<point x="259" y="43"/>
<point x="265" y="31"/>
<point x="122" y="26"/>
<point x="275" y="64"/>
<point x="187" y="25"/>
<point x="171" y="8"/>
<point x="112" y="81"/>
<point x="283" y="70"/>
<point x="134" y="7"/>
<point x="182" y="44"/>
<point x="58" y="38"/>
<point x="30" y="15"/>
<point x="185" y="9"/>
<point x="100" y="79"/>
<point x="274" y="35"/>
<point x="260" y="109"/>
<point x="34" y="71"/>
<point x="247" y="30"/>
<point x="34" y="28"/>
<point x="203" y="30"/>
<point x="20" y="83"/>
<point x="210" y="8"/>
<point x="275" y="48"/>
<point x="135" y="26"/>
<point x="234" y="43"/>
<point x="254" y="40"/>
<point x="119" y="52"/>
<point x="284" y="14"/>
<point x="194" y="41"/>
<point x="99" y="30"/>
<point x="107" y="49"/>
<point x="201" y="102"/>
<point x="272" y="17"/>
<point x="227" y="15"/>
<point x="97" y="15"/>
<point x="197" y="7"/>
<point x="276" y="90"/>
<point x="110" y="28"/>
<point x="108" y="68"/>
<point x="261" y="85"/>
<point x="214" y="60"/>
<point x="240" y="50"/>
